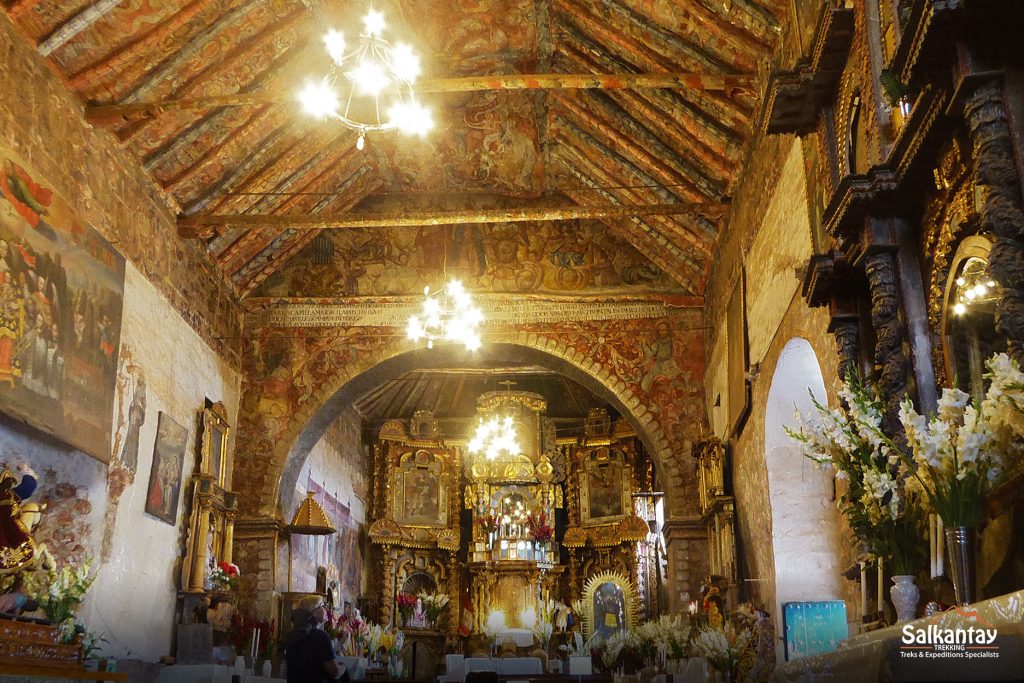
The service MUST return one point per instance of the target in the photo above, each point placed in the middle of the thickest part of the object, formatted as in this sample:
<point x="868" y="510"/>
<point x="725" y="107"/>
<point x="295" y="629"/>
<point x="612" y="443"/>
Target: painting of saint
<point x="165" y="474"/>
<point x="422" y="489"/>
<point x="61" y="299"/>
<point x="609" y="610"/>
<point x="604" y="486"/>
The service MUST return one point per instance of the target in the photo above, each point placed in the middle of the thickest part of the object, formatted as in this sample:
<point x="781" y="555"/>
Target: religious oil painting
<point x="420" y="498"/>
<point x="61" y="296"/>
<point x="604" y="495"/>
<point x="609" y="605"/>
<point x="165" y="474"/>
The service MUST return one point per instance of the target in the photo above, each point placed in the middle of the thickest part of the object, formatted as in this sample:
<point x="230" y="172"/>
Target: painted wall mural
<point x="339" y="554"/>
<point x="61" y="298"/>
<point x="291" y="372"/>
<point x="568" y="257"/>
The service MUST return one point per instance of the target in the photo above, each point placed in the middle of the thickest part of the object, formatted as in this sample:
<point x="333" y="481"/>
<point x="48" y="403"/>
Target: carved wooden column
<point x="997" y="185"/>
<point x="574" y="575"/>
<point x="387" y="586"/>
<point x="890" y="357"/>
<point x="454" y="583"/>
<point x="229" y="537"/>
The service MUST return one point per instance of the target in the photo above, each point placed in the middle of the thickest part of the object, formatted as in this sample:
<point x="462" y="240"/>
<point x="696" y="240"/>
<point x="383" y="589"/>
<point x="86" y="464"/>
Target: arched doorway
<point x="805" y="532"/>
<point x="625" y="402"/>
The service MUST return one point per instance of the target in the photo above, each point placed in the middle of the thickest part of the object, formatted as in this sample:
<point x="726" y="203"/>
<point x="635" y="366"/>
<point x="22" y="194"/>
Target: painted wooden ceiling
<point x="491" y="149"/>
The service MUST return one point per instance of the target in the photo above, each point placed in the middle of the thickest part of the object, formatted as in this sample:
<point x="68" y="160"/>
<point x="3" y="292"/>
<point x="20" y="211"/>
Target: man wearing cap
<point x="308" y="649"/>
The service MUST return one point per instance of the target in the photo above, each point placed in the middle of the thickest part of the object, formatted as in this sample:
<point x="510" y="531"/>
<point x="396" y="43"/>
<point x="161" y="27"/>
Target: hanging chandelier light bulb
<point x="493" y="438"/>
<point x="374" y="77"/>
<point x="448" y="314"/>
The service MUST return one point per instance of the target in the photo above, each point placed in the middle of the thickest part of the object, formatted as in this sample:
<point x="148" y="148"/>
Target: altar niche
<point x="500" y="537"/>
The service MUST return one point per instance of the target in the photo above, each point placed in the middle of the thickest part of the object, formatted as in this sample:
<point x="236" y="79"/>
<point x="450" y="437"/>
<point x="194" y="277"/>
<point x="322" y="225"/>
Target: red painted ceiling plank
<point x="612" y="132"/>
<point x="687" y="237"/>
<point x="135" y="57"/>
<point x="365" y="185"/>
<point x="682" y="130"/>
<point x="258" y="117"/>
<point x="724" y="111"/>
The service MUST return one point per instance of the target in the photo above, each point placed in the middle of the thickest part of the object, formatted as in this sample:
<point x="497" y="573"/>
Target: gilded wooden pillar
<point x="229" y="537"/>
<point x="574" y="575"/>
<point x="997" y="193"/>
<point x="455" y="609"/>
<point x="890" y="358"/>
<point x="197" y="568"/>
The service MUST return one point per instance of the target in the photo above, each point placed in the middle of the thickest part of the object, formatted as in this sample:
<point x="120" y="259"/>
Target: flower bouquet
<point x="434" y="604"/>
<point x="405" y="603"/>
<point x="958" y="454"/>
<point x="542" y="531"/>
<point x="224" y="576"/>
<point x="61" y="593"/>
<point x="355" y="636"/>
<point x="882" y="513"/>
<point x="722" y="647"/>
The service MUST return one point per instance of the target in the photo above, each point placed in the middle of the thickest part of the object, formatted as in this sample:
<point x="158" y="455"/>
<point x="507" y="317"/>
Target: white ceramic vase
<point x="905" y="595"/>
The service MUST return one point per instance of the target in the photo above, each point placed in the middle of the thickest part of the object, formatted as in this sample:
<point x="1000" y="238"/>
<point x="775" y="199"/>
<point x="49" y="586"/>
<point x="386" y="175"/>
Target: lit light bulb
<point x="319" y="99"/>
<point x="959" y="309"/>
<point x="373" y="23"/>
<point x="369" y="77"/>
<point x="404" y="63"/>
<point x="960" y="282"/>
<point x="982" y="290"/>
<point x="335" y="43"/>
<point x="991" y="283"/>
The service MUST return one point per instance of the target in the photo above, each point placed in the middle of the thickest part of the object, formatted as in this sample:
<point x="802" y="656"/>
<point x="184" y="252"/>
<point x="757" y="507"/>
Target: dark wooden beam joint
<point x="794" y="98"/>
<point x="997" y="192"/>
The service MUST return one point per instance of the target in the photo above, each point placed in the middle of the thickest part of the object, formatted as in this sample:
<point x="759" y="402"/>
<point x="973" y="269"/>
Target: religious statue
<point x="17" y="549"/>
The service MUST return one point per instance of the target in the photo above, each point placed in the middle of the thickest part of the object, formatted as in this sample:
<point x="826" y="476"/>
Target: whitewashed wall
<point x="135" y="554"/>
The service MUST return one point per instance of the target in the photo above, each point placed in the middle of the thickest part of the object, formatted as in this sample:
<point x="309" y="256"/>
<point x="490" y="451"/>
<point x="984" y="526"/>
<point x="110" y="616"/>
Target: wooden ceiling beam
<point x="75" y="25"/>
<point x="106" y="114"/>
<point x="132" y="54"/>
<point x="203" y="226"/>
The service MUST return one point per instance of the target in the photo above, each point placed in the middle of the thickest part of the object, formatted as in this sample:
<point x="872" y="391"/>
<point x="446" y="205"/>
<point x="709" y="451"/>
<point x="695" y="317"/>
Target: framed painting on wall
<point x="165" y="472"/>
<point x="421" y="498"/>
<point x="609" y="605"/>
<point x="604" y="488"/>
<point x="214" y="449"/>
<point x="61" y="301"/>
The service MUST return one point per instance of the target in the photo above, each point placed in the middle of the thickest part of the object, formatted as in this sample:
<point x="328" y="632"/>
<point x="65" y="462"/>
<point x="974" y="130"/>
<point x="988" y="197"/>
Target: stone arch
<point x="805" y="524"/>
<point x="307" y="425"/>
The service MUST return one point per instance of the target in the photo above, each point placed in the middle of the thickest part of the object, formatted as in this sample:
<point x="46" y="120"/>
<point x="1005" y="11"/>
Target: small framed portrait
<point x="165" y="474"/>
<point x="214" y="455"/>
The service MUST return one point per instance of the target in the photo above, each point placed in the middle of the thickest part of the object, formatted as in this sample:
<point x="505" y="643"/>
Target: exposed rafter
<point x="115" y="113"/>
<point x="202" y="226"/>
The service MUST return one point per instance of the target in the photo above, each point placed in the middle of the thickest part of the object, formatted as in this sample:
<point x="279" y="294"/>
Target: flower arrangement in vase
<point x="434" y="604"/>
<point x="722" y="647"/>
<point x="958" y="454"/>
<point x="884" y="515"/>
<point x="405" y="603"/>
<point x="542" y="532"/>
<point x="224" y="577"/>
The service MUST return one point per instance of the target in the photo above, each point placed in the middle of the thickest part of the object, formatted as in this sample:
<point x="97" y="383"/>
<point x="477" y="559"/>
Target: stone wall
<point x="43" y="123"/>
<point x="769" y="238"/>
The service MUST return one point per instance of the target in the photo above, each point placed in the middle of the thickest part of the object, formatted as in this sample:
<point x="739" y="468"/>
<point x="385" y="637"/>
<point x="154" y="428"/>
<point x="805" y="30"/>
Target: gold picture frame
<point x="421" y="486"/>
<point x="609" y="605"/>
<point x="605" y="488"/>
<point x="214" y="449"/>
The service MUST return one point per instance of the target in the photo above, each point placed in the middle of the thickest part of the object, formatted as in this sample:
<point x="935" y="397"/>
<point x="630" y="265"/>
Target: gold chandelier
<point x="494" y="438"/>
<point x="375" y="78"/>
<point x="448" y="315"/>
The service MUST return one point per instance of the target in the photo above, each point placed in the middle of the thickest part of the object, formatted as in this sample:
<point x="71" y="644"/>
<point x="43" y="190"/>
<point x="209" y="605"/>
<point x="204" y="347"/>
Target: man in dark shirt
<point x="309" y="653"/>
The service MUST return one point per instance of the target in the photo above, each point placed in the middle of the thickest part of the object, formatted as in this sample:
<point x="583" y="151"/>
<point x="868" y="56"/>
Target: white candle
<point x="931" y="545"/>
<point x="881" y="574"/>
<point x="940" y="546"/>
<point x="863" y="589"/>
